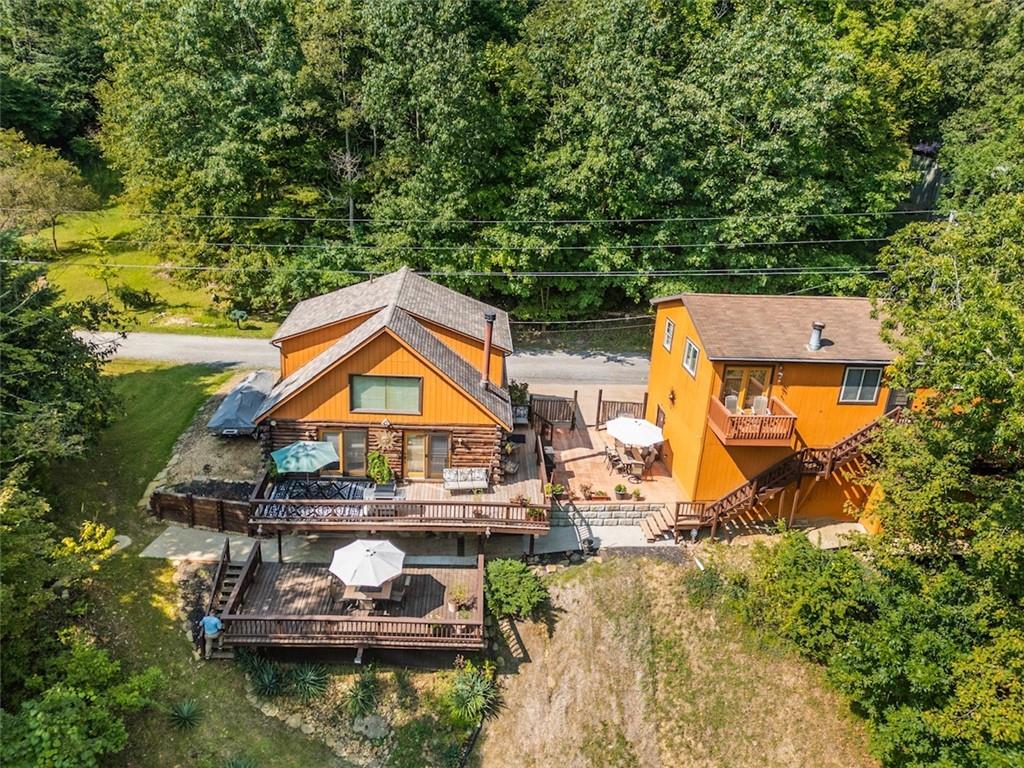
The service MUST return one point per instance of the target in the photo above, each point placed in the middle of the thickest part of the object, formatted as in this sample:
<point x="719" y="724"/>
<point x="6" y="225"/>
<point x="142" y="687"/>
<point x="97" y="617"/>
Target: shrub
<point x="249" y="659"/>
<point x="377" y="468"/>
<point x="473" y="694"/>
<point x="268" y="681"/>
<point x="361" y="698"/>
<point x="185" y="714"/>
<point x="512" y="589"/>
<point x="702" y="586"/>
<point x="308" y="681"/>
<point x="518" y="392"/>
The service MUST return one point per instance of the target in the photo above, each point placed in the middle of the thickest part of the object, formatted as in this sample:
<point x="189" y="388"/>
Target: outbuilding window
<point x="861" y="385"/>
<point x="670" y="331"/>
<point x="690" y="356"/>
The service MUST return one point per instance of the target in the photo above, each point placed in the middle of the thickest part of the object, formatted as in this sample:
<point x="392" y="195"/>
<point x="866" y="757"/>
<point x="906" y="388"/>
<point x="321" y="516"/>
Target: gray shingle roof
<point x="406" y="290"/>
<point x="465" y="376"/>
<point x="777" y="328"/>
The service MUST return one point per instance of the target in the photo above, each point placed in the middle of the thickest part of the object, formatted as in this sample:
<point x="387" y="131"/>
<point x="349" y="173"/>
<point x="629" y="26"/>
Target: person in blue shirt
<point x="213" y="630"/>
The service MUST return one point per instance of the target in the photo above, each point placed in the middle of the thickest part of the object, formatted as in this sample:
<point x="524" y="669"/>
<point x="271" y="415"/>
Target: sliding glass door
<point x="426" y="454"/>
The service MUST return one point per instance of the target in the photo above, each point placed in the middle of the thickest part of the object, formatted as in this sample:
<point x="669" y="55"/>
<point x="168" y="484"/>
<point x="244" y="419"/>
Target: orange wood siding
<point x="327" y="398"/>
<point x="703" y="468"/>
<point x="469" y="349"/>
<point x="811" y="391"/>
<point x="299" y="350"/>
<point x="686" y="418"/>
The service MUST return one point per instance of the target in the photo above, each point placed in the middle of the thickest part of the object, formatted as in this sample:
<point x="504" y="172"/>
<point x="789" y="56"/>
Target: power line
<point x="697" y="272"/>
<point x="574" y="322"/>
<point x="501" y="248"/>
<point x="557" y="222"/>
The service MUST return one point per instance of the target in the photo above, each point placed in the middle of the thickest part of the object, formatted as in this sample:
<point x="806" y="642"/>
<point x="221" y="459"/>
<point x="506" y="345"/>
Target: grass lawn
<point x="135" y="599"/>
<point x="180" y="308"/>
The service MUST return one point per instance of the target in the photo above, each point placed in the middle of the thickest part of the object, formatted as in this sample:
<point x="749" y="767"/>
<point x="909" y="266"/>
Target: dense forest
<point x="285" y="142"/>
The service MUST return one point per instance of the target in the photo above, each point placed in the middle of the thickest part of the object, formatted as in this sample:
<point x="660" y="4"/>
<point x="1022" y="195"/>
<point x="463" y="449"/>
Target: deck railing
<point x="367" y="514"/>
<point x="774" y="427"/>
<point x="248" y="628"/>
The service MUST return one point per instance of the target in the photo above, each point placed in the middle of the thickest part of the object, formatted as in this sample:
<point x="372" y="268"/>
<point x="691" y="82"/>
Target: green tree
<point x="37" y="186"/>
<point x="52" y="394"/>
<point x="78" y="718"/>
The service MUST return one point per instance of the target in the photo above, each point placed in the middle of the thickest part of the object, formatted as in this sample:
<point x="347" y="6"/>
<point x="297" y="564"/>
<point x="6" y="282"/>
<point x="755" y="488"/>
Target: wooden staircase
<point x="225" y="579"/>
<point x="762" y="488"/>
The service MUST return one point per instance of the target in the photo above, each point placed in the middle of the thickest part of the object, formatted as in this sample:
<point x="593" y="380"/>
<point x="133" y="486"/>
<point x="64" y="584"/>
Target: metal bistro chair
<point x="398" y="593"/>
<point x="611" y="458"/>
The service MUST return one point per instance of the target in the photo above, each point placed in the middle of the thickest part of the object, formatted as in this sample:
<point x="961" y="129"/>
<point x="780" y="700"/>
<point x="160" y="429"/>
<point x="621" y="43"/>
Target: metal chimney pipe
<point x="489" y="318"/>
<point x="815" y="342"/>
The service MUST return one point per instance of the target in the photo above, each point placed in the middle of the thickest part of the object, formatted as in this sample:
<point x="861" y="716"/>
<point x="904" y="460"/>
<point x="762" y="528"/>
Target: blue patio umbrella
<point x="304" y="456"/>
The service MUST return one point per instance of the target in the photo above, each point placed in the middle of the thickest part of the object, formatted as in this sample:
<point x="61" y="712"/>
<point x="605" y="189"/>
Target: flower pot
<point x="622" y="495"/>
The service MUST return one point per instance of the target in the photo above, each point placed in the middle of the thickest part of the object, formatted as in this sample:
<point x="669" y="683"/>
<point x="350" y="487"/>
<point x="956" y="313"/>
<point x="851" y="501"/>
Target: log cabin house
<point x="765" y="402"/>
<point x="412" y="370"/>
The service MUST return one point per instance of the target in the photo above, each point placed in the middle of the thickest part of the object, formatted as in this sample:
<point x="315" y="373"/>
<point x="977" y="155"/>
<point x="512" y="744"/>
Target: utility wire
<point x="437" y="222"/>
<point x="575" y="322"/>
<point x="499" y="248"/>
<point x="699" y="272"/>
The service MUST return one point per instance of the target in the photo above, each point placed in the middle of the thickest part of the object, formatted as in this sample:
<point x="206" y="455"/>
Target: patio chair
<point x="611" y="458"/>
<point x="732" y="403"/>
<point x="761" y="405"/>
<point x="649" y="459"/>
<point x="398" y="593"/>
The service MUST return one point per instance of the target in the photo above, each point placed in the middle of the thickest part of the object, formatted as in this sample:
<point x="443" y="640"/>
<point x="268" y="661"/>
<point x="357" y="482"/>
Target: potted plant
<point x="621" y="492"/>
<point x="636" y="494"/>
<point x="536" y="514"/>
<point x="587" y="490"/>
<point x="599" y="495"/>
<point x="378" y="469"/>
<point x="458" y="595"/>
<point x="520" y="500"/>
<point x="554" y="490"/>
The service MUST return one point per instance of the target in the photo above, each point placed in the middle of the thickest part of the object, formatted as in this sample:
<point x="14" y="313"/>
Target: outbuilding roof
<point x="406" y="290"/>
<point x="777" y="328"/>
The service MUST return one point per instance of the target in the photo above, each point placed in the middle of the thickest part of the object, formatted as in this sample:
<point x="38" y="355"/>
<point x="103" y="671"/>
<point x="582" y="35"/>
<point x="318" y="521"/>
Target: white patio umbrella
<point x="638" y="432"/>
<point x="367" y="563"/>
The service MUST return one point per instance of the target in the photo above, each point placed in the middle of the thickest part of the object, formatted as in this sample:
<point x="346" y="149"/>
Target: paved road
<point x="548" y="367"/>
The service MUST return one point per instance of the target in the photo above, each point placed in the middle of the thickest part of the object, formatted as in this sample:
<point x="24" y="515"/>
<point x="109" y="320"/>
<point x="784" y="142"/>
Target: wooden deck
<point x="290" y="604"/>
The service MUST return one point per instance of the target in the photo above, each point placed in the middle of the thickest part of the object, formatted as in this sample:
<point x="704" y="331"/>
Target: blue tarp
<point x="235" y="415"/>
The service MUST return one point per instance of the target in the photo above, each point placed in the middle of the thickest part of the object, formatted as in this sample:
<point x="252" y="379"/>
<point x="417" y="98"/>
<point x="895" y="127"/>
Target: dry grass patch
<point x="634" y="676"/>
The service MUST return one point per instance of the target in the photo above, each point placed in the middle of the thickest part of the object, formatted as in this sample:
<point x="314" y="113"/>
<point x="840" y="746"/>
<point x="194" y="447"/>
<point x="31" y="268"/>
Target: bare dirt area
<point x="633" y="676"/>
<point x="201" y="461"/>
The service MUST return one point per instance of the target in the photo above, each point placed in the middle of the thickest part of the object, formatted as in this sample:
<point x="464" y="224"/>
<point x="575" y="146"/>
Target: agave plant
<point x="185" y="714"/>
<point x="361" y="698"/>
<point x="308" y="681"/>
<point x="249" y="659"/>
<point x="268" y="681"/>
<point x="473" y="695"/>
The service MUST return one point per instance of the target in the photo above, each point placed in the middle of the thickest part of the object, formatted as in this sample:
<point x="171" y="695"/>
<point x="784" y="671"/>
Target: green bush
<point x="361" y="698"/>
<point x="185" y="715"/>
<point x="702" y="586"/>
<point x="308" y="681"/>
<point x="249" y="659"/>
<point x="512" y="589"/>
<point x="377" y="468"/>
<point x="268" y="680"/>
<point x="473" y="694"/>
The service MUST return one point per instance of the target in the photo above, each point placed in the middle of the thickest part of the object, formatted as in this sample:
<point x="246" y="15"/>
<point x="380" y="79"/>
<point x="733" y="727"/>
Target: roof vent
<point x="814" y="344"/>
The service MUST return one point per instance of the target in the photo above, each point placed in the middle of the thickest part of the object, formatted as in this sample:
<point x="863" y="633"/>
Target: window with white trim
<point x="690" y="356"/>
<point x="387" y="394"/>
<point x="861" y="385"/>
<point x="670" y="331"/>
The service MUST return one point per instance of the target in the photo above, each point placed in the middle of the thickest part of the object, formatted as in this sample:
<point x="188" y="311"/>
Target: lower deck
<point x="297" y="604"/>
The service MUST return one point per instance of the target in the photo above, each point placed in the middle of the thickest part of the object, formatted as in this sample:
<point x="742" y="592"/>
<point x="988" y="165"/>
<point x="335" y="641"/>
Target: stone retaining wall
<point x="609" y="513"/>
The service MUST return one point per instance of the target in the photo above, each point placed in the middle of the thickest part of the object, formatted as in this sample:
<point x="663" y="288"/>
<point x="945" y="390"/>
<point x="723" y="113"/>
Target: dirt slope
<point x="632" y="676"/>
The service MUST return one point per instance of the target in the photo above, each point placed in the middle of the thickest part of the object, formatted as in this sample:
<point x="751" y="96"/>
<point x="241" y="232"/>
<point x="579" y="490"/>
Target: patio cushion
<point x="465" y="478"/>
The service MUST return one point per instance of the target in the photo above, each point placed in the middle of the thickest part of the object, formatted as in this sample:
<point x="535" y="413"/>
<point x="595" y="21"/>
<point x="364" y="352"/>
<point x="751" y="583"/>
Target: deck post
<point x="714" y="526"/>
<point x="533" y="542"/>
<point x="782" y="502"/>
<point x="643" y="406"/>
<point x="220" y="515"/>
<point x="280" y="557"/>
<point x="597" y="417"/>
<point x="191" y="506"/>
<point x="796" y="501"/>
<point x="572" y="418"/>
<point x="460" y="545"/>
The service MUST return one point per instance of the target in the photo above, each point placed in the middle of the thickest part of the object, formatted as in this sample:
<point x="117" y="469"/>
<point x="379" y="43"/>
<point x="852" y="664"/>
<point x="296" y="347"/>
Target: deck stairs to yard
<point x="746" y="504"/>
<point x="225" y="578"/>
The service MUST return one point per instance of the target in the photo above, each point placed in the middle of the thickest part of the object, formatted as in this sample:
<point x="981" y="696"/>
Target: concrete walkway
<point x="180" y="543"/>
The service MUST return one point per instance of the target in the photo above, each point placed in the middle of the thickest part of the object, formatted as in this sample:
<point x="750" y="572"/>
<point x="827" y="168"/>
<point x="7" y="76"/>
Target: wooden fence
<point x="610" y="409"/>
<point x="201" y="511"/>
<point x="556" y="410"/>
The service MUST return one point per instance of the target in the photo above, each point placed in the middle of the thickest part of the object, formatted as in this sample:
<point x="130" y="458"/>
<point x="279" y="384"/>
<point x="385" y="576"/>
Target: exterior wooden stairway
<point x="759" y="490"/>
<point x="225" y="578"/>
